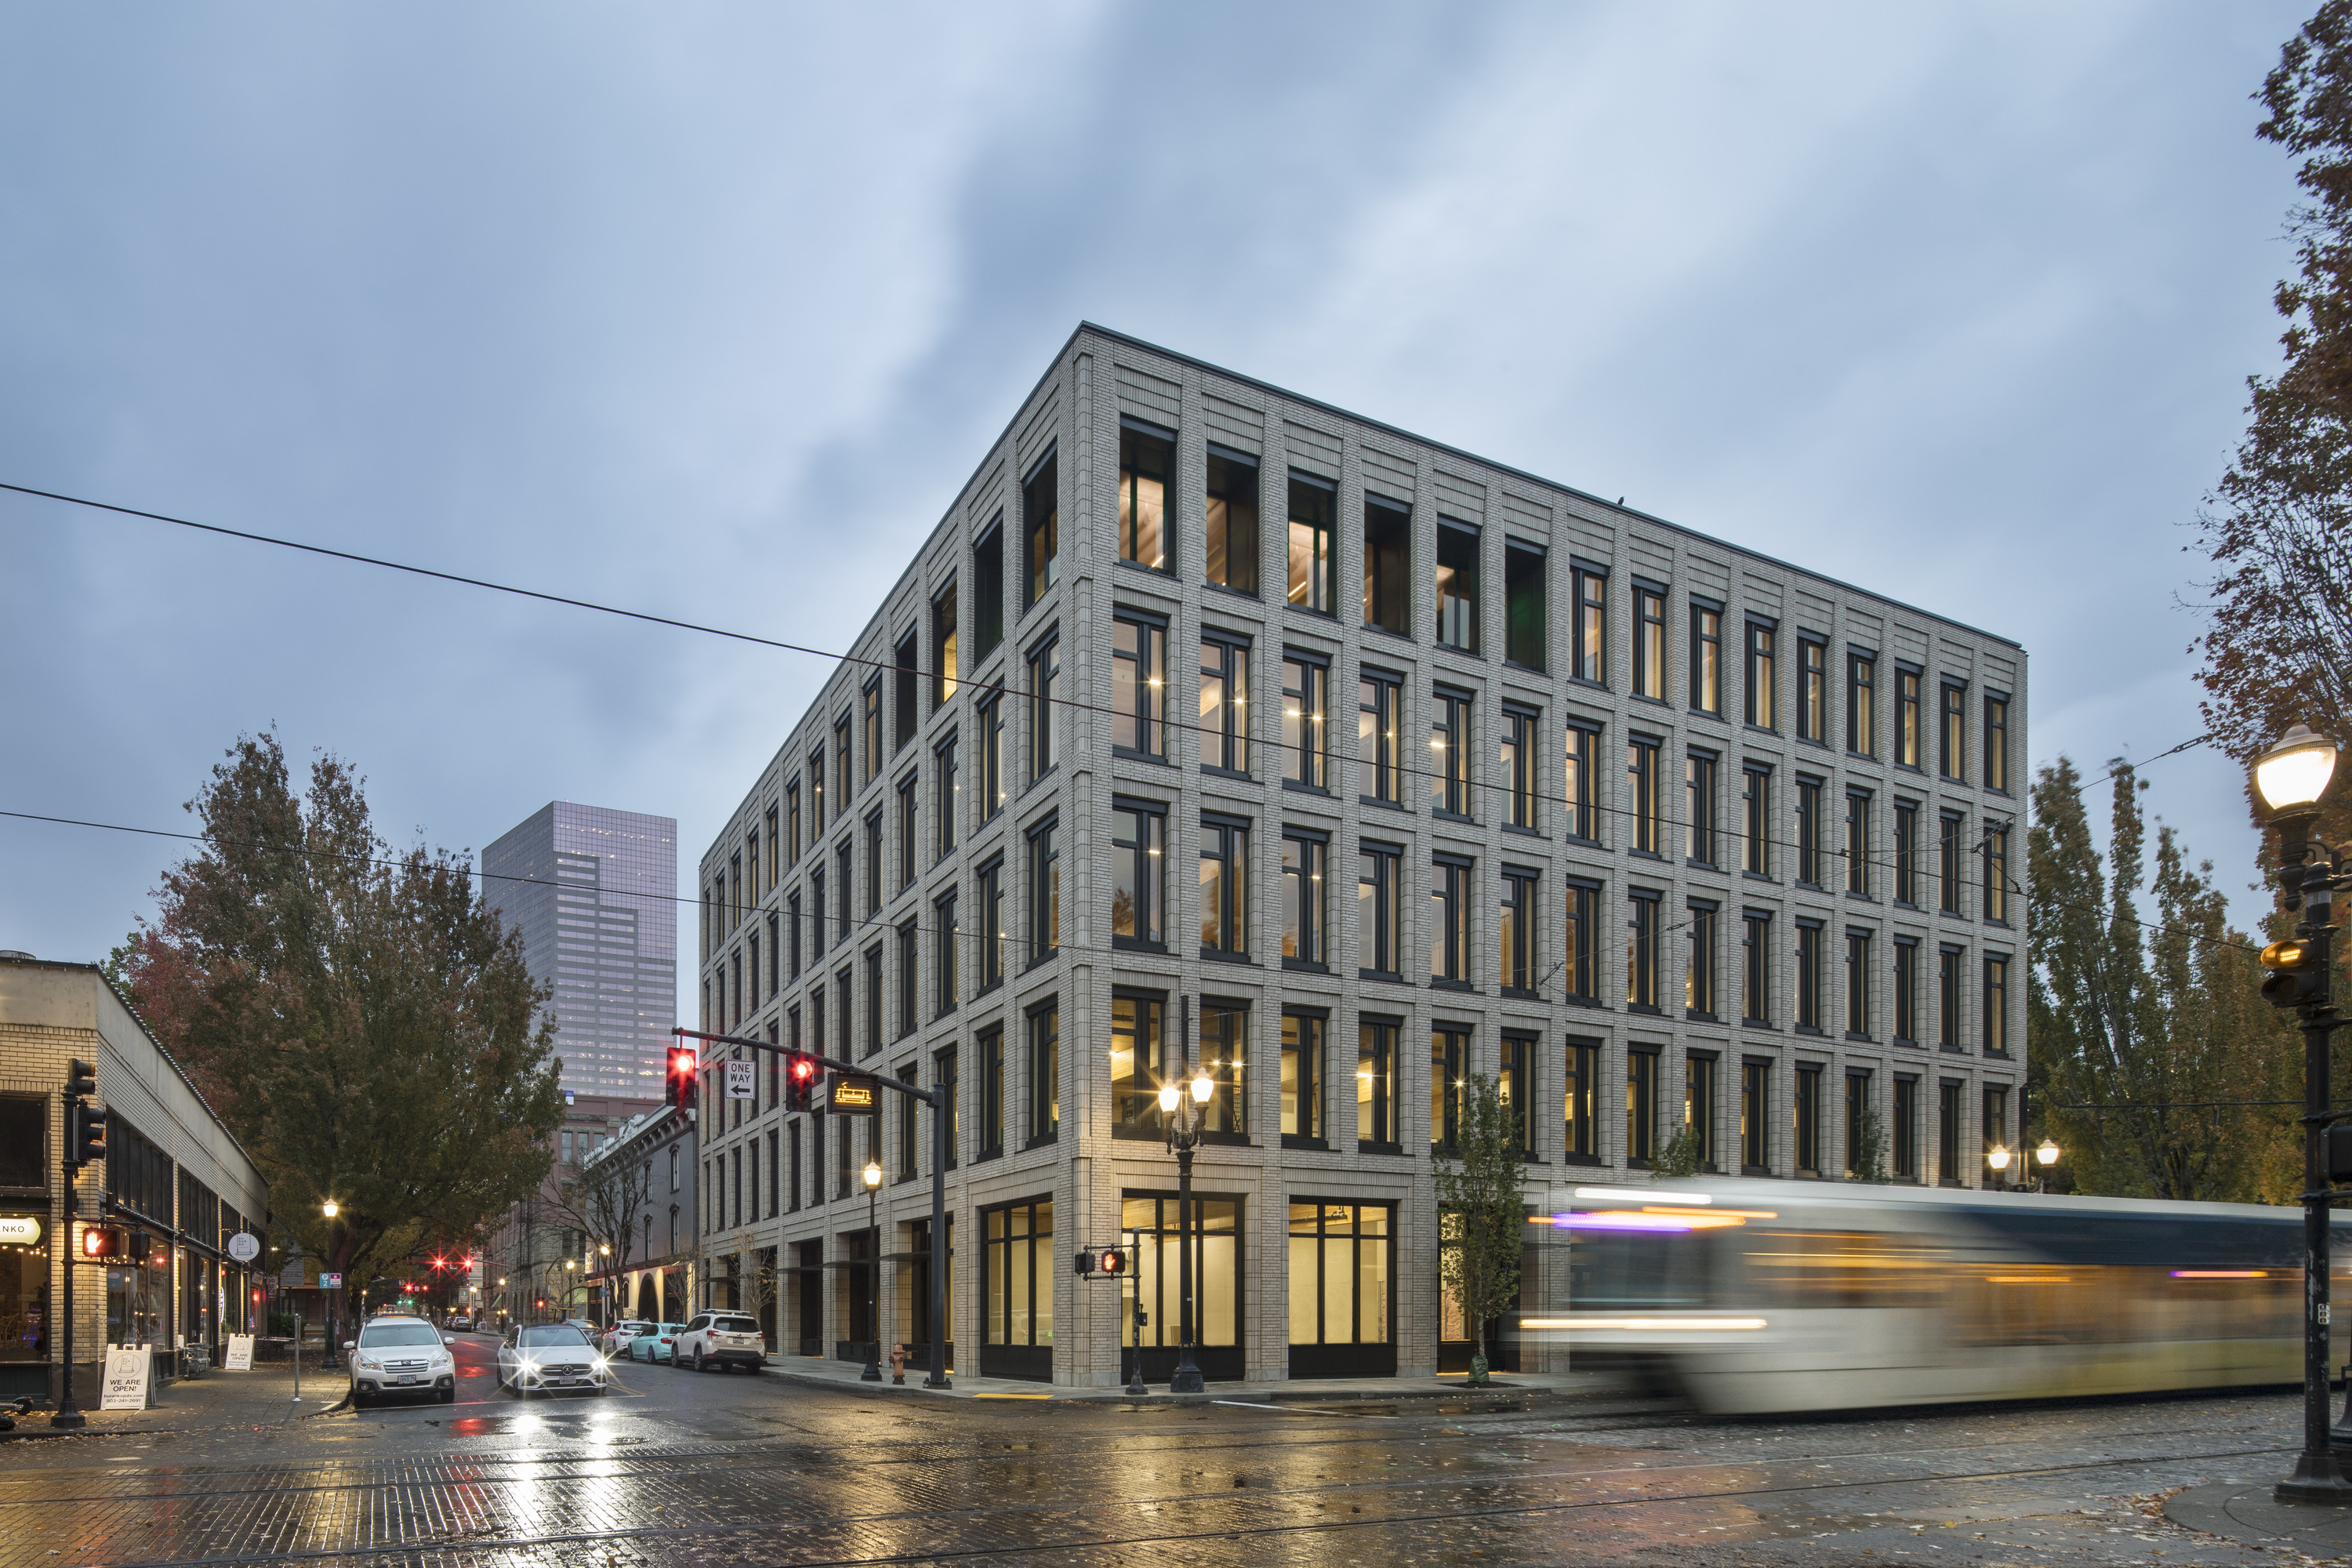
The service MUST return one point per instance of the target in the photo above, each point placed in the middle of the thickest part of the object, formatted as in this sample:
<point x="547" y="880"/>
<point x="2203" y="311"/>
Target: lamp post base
<point x="69" y="1419"/>
<point x="1187" y="1380"/>
<point x="2316" y="1479"/>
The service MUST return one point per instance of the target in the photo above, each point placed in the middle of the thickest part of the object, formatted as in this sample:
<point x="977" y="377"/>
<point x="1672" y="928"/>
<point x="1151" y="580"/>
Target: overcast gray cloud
<point x="693" y="309"/>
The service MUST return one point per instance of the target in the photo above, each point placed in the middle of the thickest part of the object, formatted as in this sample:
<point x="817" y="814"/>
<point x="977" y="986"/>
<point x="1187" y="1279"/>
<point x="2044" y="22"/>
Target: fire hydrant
<point x="898" y="1364"/>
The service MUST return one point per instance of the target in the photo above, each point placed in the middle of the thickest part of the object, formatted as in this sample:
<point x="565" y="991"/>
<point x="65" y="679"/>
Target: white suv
<point x="721" y="1340"/>
<point x="401" y="1355"/>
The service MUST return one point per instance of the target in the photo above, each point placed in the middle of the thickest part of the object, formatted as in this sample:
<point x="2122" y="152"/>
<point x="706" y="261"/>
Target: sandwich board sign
<point x="240" y="1354"/>
<point x="126" y="1379"/>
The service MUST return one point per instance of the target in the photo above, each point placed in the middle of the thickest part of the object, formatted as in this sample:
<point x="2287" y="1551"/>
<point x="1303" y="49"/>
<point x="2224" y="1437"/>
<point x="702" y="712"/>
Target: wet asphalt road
<point x="678" y="1468"/>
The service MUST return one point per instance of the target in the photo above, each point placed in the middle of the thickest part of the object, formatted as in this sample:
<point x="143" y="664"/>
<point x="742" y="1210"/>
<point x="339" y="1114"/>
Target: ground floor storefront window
<point x="1343" y="1288"/>
<point x="1149" y="1221"/>
<point x="135" y="1299"/>
<point x="1016" y="1267"/>
<point x="25" y="1316"/>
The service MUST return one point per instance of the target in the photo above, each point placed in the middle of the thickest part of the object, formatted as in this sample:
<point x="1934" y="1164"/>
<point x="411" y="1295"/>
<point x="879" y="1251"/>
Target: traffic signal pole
<point x="936" y="1099"/>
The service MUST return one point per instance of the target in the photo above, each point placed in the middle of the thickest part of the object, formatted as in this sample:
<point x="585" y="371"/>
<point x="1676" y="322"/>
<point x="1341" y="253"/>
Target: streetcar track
<point x="639" y="1463"/>
<point x="651" y="1532"/>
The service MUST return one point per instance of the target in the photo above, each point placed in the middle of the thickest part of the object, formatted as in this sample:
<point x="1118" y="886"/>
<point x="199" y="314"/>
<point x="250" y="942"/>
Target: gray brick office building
<point x="1692" y="849"/>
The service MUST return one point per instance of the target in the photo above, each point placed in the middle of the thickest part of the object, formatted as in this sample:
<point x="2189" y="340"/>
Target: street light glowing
<point x="1169" y="1094"/>
<point x="1998" y="1159"/>
<point x="2294" y="772"/>
<point x="329" y="1209"/>
<point x="1203" y="1086"/>
<point x="873" y="1172"/>
<point x="2047" y="1152"/>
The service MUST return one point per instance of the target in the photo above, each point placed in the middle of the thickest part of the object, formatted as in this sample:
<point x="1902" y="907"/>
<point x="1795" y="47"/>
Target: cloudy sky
<point x="709" y="310"/>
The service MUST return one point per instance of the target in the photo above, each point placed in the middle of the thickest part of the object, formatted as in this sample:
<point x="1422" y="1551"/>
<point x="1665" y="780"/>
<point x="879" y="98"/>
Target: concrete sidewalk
<point x="2238" y="1512"/>
<point x="216" y="1401"/>
<point x="846" y="1375"/>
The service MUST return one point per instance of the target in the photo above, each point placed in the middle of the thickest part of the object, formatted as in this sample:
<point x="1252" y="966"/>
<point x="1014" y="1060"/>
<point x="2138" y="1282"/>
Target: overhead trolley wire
<point x="1468" y="779"/>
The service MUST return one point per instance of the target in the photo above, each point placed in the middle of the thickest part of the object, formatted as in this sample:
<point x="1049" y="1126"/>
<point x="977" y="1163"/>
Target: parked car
<point x="399" y="1355"/>
<point x="536" y="1357"/>
<point x="720" y="1339"/>
<point x="615" y="1341"/>
<point x="655" y="1343"/>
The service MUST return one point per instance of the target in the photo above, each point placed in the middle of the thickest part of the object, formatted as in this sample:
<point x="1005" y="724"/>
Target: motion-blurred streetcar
<point x="1747" y="1296"/>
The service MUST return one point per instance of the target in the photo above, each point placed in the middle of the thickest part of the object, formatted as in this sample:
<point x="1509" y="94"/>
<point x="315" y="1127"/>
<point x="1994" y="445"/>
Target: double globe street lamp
<point x="2290" y="778"/>
<point x="1184" y="1122"/>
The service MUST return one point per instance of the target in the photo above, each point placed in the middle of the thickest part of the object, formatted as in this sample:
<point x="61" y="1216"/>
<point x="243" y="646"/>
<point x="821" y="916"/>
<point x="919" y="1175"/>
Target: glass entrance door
<point x="1342" y="1260"/>
<point x="1150" y="1219"/>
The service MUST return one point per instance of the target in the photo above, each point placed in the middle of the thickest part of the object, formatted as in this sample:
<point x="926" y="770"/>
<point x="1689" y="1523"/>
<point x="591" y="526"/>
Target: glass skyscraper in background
<point x="594" y="892"/>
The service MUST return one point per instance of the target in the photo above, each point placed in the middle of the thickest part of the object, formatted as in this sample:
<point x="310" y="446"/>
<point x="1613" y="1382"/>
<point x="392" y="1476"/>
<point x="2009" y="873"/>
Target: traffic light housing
<point x="683" y="1069"/>
<point x="138" y="1247"/>
<point x="1085" y="1263"/>
<point x="85" y="1134"/>
<point x="2298" y="974"/>
<point x="801" y="1075"/>
<point x="81" y="1077"/>
<point x="102" y="1241"/>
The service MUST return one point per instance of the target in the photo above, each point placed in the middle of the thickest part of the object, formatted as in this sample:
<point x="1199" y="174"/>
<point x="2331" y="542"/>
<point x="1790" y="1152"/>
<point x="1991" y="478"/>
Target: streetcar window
<point x="1634" y="1271"/>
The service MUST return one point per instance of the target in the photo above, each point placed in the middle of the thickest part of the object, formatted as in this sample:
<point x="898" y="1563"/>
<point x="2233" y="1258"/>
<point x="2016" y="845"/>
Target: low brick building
<point x="171" y="1171"/>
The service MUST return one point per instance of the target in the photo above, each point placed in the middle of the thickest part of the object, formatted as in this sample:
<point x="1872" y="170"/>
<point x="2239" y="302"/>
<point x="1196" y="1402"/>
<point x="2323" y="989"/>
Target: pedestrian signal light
<point x="102" y="1241"/>
<point x="138" y="1247"/>
<point x="801" y="1075"/>
<point x="1085" y="1262"/>
<point x="682" y="1067"/>
<point x="2297" y="977"/>
<point x="1113" y="1261"/>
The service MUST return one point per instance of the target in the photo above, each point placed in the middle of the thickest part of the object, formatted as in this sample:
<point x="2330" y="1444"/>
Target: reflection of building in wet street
<point x="172" y="1180"/>
<point x="1707" y="859"/>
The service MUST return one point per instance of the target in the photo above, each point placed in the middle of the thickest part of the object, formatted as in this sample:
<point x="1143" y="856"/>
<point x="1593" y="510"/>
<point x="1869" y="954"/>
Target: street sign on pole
<point x="742" y="1080"/>
<point x="331" y="1281"/>
<point x="245" y="1247"/>
<point x="853" y="1094"/>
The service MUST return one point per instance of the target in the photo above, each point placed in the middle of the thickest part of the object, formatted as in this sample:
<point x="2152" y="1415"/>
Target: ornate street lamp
<point x="335" y="1297"/>
<point x="1184" y="1123"/>
<point x="873" y="1372"/>
<point x="2290" y="777"/>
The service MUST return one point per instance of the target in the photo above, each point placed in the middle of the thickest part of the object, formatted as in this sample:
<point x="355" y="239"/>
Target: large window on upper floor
<point x="1305" y="720"/>
<point x="1139" y="896"/>
<point x="1516" y="756"/>
<point x="1224" y="701"/>
<point x="1523" y="605"/>
<point x="1996" y="742"/>
<point x="1907" y="721"/>
<point x="1232" y="519"/>
<point x="905" y="714"/>
<point x="1449" y="751"/>
<point x="1589" y="658"/>
<point x="1225" y="886"/>
<point x="1706" y="657"/>
<point x="1952" y="735"/>
<point x="1041" y="538"/>
<point x="989" y="723"/>
<point x="1812" y="690"/>
<point x="1313" y="511"/>
<point x="1581" y="781"/>
<point x="1861" y="703"/>
<point x="943" y="646"/>
<point x="1649" y="642"/>
<point x="1138" y="684"/>
<point x="1388" y="554"/>
<point x="1763" y="670"/>
<point x="1380" y="737"/>
<point x="1045" y="691"/>
<point x="1044" y="890"/>
<point x="1457" y="584"/>
<point x="1146" y="456"/>
<point x="988" y="590"/>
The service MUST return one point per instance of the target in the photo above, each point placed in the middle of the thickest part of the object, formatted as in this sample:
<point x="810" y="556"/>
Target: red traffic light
<point x="682" y="1067"/>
